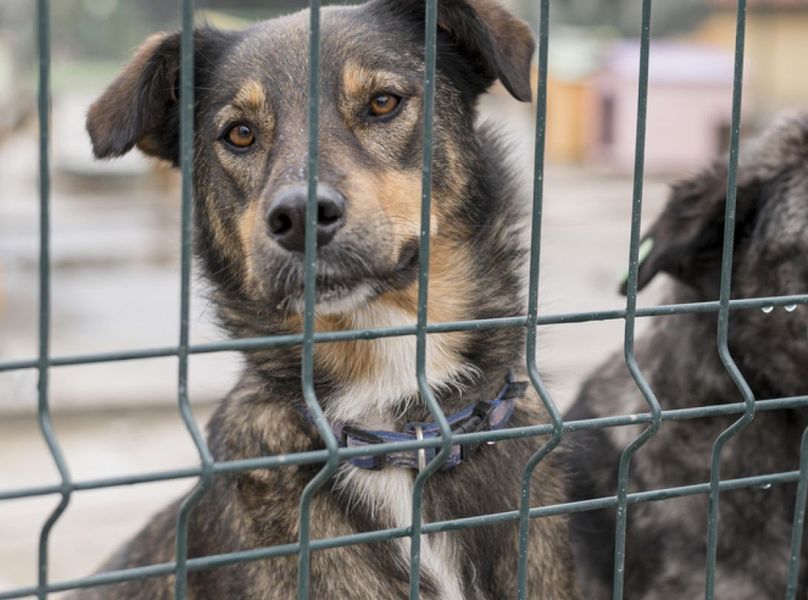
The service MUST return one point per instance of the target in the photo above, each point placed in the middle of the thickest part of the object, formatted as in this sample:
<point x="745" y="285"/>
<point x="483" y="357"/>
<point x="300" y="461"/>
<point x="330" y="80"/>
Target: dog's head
<point x="251" y="141"/>
<point x="770" y="244"/>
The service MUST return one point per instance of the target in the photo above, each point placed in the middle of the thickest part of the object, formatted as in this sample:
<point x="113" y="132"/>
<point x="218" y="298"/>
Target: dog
<point x="250" y="156"/>
<point x="666" y="540"/>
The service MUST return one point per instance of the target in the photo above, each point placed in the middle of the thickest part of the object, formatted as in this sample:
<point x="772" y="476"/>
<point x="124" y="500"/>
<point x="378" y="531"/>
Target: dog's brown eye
<point x="241" y="136"/>
<point x="382" y="105"/>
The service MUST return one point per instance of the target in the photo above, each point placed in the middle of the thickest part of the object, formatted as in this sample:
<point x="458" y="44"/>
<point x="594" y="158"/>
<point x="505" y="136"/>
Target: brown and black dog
<point x="250" y="156"/>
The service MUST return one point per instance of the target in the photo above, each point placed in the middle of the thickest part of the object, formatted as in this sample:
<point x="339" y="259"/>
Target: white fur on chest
<point x="394" y="376"/>
<point x="387" y="494"/>
<point x="374" y="403"/>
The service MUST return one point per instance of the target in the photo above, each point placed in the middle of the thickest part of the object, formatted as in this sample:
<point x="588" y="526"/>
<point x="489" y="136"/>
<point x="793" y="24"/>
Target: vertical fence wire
<point x="723" y="313"/>
<point x="310" y="282"/>
<point x="43" y="404"/>
<point x="186" y="166"/>
<point x="799" y="522"/>
<point x="533" y="305"/>
<point x="430" y="46"/>
<point x="618" y="576"/>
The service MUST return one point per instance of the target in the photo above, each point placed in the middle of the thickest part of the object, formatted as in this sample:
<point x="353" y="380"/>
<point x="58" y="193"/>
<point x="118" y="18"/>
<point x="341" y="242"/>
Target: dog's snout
<point x="287" y="216"/>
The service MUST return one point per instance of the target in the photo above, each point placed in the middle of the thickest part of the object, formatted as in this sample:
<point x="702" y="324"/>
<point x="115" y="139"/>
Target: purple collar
<point x="480" y="416"/>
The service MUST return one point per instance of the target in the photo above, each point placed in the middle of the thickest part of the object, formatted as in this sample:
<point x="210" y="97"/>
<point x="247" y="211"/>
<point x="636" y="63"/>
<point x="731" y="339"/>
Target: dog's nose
<point x="287" y="216"/>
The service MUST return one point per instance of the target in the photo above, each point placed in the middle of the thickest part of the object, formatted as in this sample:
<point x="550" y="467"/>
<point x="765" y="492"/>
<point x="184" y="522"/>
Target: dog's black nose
<point x="287" y="216"/>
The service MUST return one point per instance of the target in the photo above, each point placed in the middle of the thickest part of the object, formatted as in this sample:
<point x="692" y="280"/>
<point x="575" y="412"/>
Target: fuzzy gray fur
<point x="666" y="543"/>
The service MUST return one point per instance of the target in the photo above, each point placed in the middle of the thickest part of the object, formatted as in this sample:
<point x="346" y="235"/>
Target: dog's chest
<point x="372" y="403"/>
<point x="391" y="379"/>
<point x="387" y="497"/>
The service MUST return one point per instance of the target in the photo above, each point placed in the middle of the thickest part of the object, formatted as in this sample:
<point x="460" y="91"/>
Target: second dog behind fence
<point x="251" y="152"/>
<point x="666" y="544"/>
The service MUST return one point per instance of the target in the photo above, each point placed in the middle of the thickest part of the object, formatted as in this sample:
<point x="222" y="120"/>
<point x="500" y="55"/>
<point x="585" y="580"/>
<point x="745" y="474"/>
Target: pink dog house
<point x="689" y="107"/>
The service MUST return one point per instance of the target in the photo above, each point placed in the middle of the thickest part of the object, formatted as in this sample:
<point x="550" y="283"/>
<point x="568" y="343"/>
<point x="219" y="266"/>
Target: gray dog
<point x="666" y="545"/>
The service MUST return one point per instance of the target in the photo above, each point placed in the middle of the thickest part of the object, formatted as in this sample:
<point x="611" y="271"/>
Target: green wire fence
<point x="332" y="455"/>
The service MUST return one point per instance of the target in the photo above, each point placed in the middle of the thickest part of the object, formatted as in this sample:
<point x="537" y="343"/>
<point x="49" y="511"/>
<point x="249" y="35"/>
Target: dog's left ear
<point x="687" y="239"/>
<point x="494" y="43"/>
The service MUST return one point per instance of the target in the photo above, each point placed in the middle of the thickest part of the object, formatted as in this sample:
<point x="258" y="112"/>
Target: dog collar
<point x="480" y="416"/>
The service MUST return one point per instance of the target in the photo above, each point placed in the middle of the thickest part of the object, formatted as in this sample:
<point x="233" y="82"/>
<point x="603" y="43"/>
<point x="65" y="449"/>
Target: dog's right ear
<point x="494" y="43"/>
<point x="141" y="107"/>
<point x="687" y="239"/>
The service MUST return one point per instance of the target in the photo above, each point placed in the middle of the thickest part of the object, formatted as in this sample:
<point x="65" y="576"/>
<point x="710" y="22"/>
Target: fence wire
<point x="332" y="455"/>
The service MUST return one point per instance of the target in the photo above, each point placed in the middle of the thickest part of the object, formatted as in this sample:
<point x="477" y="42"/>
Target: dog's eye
<point x="240" y="136"/>
<point x="383" y="104"/>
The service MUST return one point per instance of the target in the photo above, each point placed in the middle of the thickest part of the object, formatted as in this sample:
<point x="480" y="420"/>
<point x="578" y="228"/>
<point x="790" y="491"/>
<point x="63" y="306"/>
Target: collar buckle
<point x="419" y="435"/>
<point x="478" y="420"/>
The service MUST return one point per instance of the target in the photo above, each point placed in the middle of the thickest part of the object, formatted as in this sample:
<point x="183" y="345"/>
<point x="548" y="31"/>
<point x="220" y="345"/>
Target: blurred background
<point x="115" y="243"/>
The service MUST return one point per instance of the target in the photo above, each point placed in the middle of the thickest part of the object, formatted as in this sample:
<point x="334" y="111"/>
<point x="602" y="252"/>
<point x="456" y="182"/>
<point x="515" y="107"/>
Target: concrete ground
<point x="115" y="286"/>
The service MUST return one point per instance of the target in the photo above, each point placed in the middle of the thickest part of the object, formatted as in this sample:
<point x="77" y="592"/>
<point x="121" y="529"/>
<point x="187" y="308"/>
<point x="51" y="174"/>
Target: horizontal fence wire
<point x="290" y="340"/>
<point x="318" y="456"/>
<point x="230" y="558"/>
<point x="332" y="454"/>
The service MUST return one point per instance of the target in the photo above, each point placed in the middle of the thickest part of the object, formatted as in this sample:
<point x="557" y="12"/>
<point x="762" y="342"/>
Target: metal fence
<point x="331" y="456"/>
